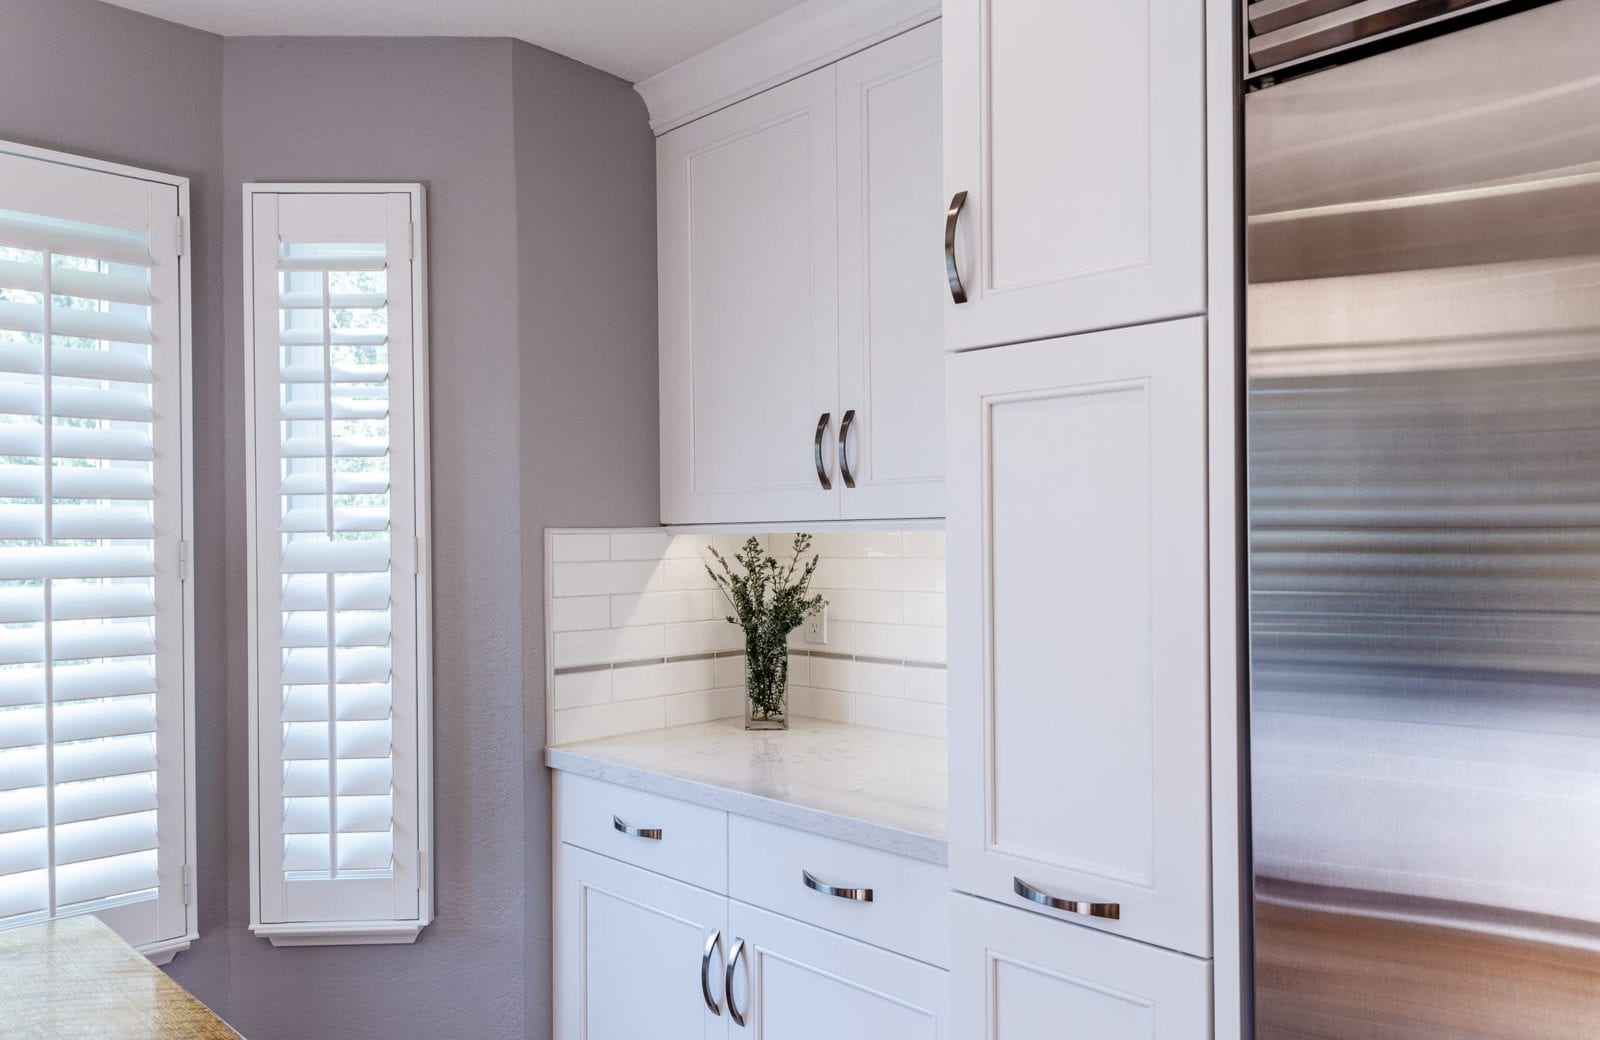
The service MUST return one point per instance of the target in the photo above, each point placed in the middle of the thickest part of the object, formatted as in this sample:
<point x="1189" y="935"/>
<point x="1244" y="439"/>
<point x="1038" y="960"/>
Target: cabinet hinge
<point x="416" y="556"/>
<point x="411" y="240"/>
<point x="188" y="883"/>
<point x="422" y="863"/>
<point x="183" y="561"/>
<point x="183" y="236"/>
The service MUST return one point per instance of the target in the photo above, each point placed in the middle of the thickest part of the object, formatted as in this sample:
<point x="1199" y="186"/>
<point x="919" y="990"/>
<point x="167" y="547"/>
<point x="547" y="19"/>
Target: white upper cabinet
<point x="891" y="330"/>
<point x="749" y="309"/>
<point x="1079" y="705"/>
<point x="800" y="276"/>
<point x="1075" y="128"/>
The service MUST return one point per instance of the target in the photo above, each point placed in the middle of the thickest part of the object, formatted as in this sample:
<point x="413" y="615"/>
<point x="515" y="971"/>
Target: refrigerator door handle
<point x="1108" y="911"/>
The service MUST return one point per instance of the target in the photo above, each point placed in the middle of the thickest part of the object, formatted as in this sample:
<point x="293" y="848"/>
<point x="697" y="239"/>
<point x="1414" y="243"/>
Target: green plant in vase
<point x="770" y="599"/>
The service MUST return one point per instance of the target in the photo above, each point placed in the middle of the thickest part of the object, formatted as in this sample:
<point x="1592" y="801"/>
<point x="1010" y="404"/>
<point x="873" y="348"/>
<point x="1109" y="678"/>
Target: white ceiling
<point x="634" y="39"/>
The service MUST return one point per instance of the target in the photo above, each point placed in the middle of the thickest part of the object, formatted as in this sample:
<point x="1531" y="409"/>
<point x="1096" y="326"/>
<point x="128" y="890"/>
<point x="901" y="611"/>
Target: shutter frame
<point x="87" y="192"/>
<point x="383" y="915"/>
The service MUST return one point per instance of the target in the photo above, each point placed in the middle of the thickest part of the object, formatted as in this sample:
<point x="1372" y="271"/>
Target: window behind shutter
<point x="340" y="636"/>
<point x="93" y="622"/>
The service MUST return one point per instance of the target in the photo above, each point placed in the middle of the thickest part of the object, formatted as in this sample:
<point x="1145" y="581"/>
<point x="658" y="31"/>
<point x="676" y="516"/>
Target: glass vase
<point x="766" y="684"/>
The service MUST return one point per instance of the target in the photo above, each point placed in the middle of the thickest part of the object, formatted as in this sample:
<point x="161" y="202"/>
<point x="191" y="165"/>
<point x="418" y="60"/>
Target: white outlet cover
<point x="816" y="627"/>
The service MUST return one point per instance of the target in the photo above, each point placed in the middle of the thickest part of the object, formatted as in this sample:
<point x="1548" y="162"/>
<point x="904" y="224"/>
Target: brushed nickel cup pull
<point x="844" y="448"/>
<point x="957" y="292"/>
<point x="816" y="449"/>
<point x="860" y="895"/>
<point x="705" y="972"/>
<point x="733" y="962"/>
<point x="653" y="833"/>
<point x="1108" y="911"/>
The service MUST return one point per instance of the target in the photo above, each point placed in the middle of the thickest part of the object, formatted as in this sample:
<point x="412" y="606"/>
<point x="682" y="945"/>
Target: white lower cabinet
<point x="630" y="946"/>
<point x="795" y="982"/>
<point x="640" y="955"/>
<point x="1019" y="976"/>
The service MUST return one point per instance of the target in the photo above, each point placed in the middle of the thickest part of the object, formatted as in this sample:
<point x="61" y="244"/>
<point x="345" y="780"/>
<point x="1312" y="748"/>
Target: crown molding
<point x="817" y="33"/>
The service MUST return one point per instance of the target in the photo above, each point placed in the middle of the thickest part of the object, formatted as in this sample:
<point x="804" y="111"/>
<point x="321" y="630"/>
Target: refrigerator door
<point x="1423" y="257"/>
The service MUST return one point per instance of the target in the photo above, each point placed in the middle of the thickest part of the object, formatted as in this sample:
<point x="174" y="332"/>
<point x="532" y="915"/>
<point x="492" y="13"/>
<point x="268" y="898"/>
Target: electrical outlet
<point x="816" y="627"/>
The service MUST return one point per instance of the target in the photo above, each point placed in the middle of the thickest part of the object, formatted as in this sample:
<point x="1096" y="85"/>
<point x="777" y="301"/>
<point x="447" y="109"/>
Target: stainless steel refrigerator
<point x="1423" y="450"/>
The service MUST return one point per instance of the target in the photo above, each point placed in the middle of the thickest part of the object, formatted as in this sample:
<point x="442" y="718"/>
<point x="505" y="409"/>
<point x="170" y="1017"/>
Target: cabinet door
<point x="630" y="950"/>
<point x="795" y="982"/>
<point x="1020" y="977"/>
<point x="1076" y="128"/>
<point x="1078" y="627"/>
<point x="748" y="247"/>
<point x="891" y="332"/>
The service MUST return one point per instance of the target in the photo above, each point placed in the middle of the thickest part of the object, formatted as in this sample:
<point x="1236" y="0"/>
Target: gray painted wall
<point x="587" y="293"/>
<point x="440" y="112"/>
<point x="95" y="80"/>
<point x="540" y="173"/>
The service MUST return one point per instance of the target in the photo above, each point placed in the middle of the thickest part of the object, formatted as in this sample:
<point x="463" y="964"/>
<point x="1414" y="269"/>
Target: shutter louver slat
<point x="24" y="810"/>
<point x="22" y="768"/>
<point x="89" y="285"/>
<point x="105" y="838"/>
<point x="38" y="234"/>
<point x="117" y="756"/>
<point x="109" y="796"/>
<point x="106" y="878"/>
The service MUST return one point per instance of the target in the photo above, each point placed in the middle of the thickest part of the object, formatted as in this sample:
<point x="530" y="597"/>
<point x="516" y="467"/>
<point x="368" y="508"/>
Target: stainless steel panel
<point x="1423" y="253"/>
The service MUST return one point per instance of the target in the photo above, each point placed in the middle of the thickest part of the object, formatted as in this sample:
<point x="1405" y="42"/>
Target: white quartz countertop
<point x="873" y="787"/>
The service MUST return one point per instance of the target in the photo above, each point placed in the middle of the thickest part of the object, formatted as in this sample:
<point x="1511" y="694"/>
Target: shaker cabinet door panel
<point x="1077" y="131"/>
<point x="749" y="309"/>
<point x="1078" y="631"/>
<point x="795" y="982"/>
<point x="629" y="951"/>
<point x="891" y="332"/>
<point x="1017" y="976"/>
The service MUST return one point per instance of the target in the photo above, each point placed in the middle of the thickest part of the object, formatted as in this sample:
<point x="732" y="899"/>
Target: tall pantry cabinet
<point x="1076" y="270"/>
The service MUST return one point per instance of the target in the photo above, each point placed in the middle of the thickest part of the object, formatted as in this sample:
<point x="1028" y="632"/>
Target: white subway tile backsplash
<point x="702" y="637"/>
<point x="662" y="679"/>
<point x="571" y="547"/>
<point x="926" y="684"/>
<point x="684" y="709"/>
<point x="812" y="703"/>
<point x="607" y="579"/>
<point x="638" y="639"/>
<point x="904" y="716"/>
<point x="580" y="689"/>
<point x="640" y="545"/>
<point x="656" y="608"/>
<point x="606" y="646"/>
<point x="686" y="574"/>
<point x="884" y="608"/>
<point x="904" y="575"/>
<point x="607" y="720"/>
<point x="855" y="676"/>
<point x="575" y="613"/>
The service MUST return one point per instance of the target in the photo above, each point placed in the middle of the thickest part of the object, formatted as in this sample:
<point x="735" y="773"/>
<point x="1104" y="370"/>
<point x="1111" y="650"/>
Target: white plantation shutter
<point x="94" y="623"/>
<point x="339" y="656"/>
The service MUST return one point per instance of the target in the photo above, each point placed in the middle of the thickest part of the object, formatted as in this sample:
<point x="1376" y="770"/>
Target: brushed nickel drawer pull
<point x="860" y="895"/>
<point x="816" y="451"/>
<point x="712" y="944"/>
<point x="653" y="833"/>
<point x="733" y="963"/>
<point x="844" y="448"/>
<point x="1108" y="911"/>
<point x="958" y="292"/>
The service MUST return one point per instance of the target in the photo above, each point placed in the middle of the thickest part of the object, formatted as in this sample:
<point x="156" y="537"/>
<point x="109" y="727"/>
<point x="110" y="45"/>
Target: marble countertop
<point x="873" y="787"/>
<point x="74" y="977"/>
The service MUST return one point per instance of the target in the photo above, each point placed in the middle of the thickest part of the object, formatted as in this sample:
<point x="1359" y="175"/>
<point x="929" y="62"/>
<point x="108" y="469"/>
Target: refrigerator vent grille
<point x="1286" y="37"/>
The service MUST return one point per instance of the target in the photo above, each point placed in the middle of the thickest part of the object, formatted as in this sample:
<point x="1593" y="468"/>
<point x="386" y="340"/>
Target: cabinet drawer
<point x="768" y="866"/>
<point x="1015" y="969"/>
<point x="687" y="842"/>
